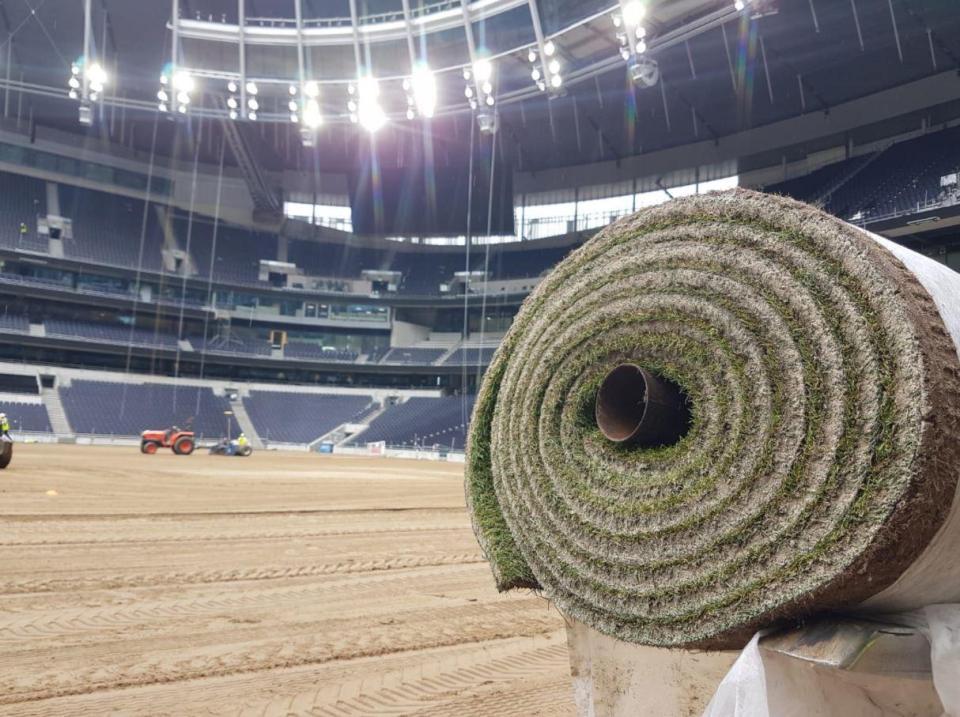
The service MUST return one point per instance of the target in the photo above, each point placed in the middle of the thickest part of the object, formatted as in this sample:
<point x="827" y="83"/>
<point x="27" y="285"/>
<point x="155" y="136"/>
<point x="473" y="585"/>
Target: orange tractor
<point x="182" y="442"/>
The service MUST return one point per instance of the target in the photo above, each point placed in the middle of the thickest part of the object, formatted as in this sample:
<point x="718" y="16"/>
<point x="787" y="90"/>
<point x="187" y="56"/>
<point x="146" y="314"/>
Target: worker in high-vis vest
<point x="5" y="426"/>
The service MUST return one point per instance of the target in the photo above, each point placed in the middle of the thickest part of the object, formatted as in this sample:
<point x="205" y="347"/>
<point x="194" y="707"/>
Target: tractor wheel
<point x="6" y="454"/>
<point x="149" y="447"/>
<point x="184" y="446"/>
<point x="245" y="451"/>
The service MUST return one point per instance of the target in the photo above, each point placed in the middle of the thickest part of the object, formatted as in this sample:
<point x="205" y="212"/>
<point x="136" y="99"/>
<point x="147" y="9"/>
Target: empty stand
<point x="14" y="323"/>
<point x="302" y="417"/>
<point x="126" y="409"/>
<point x="471" y="356"/>
<point x="22" y="199"/>
<point x="109" y="334"/>
<point x="316" y="352"/>
<point x="232" y="345"/>
<point x="413" y="356"/>
<point x="107" y="229"/>
<point x="422" y="421"/>
<point x="30" y="417"/>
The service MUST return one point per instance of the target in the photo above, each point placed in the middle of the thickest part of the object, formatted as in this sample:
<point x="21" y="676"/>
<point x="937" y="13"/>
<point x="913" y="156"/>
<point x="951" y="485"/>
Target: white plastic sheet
<point x="769" y="684"/>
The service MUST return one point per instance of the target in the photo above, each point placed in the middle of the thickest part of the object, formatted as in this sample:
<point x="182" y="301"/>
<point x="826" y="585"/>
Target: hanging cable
<point x="466" y="279"/>
<point x="198" y="141"/>
<point x="213" y="255"/>
<point x="139" y="272"/>
<point x="486" y="257"/>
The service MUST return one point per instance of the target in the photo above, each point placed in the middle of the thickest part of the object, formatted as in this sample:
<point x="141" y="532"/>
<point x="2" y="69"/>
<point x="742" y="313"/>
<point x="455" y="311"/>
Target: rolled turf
<point x="822" y="454"/>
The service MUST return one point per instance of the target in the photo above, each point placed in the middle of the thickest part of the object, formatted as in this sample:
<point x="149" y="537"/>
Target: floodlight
<point x="633" y="12"/>
<point x="311" y="89"/>
<point x="252" y="88"/>
<point x="549" y="48"/>
<point x="424" y="91"/>
<point x="311" y="114"/>
<point x="483" y="69"/>
<point x="96" y="74"/>
<point x="183" y="81"/>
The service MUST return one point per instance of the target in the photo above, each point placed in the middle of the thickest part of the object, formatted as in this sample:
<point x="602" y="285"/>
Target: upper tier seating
<point x="14" y="323"/>
<point x="316" y="352"/>
<point x="471" y="356"/>
<point x="107" y="229"/>
<point x="126" y="409"/>
<point x="422" y="422"/>
<point x="232" y="345"/>
<point x="416" y="356"/>
<point x="302" y="417"/>
<point x="109" y="333"/>
<point x="22" y="199"/>
<point x="238" y="250"/>
<point x="26" y="417"/>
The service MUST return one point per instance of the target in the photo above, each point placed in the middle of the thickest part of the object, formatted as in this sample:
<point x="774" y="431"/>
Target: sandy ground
<point x="275" y="585"/>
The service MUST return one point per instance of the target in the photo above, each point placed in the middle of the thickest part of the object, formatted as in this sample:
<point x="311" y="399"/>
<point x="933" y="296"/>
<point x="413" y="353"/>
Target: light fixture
<point x="549" y="48"/>
<point x="183" y="81"/>
<point x="483" y="69"/>
<point x="369" y="113"/>
<point x="252" y="88"/>
<point x="231" y="86"/>
<point x="490" y="100"/>
<point x="311" y="89"/>
<point x="183" y="98"/>
<point x="556" y="81"/>
<point x="96" y="75"/>
<point x="72" y="94"/>
<point x="738" y="5"/>
<point x="641" y="47"/>
<point x="163" y="78"/>
<point x="232" y="103"/>
<point x="312" y="117"/>
<point x="294" y="117"/>
<point x="252" y="116"/>
<point x="424" y="87"/>
<point x="162" y="106"/>
<point x="532" y="56"/>
<point x="466" y="74"/>
<point x="292" y="105"/>
<point x="535" y="74"/>
<point x="233" y="114"/>
<point x="487" y="87"/>
<point x="554" y="66"/>
<point x="633" y="12"/>
<point x="253" y="104"/>
<point x="292" y="89"/>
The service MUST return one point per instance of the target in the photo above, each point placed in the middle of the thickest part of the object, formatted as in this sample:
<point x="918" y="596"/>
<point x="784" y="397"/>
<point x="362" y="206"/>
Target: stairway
<point x="58" y="416"/>
<point x="246" y="425"/>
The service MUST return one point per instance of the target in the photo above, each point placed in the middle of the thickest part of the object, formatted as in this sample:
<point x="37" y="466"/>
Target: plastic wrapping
<point x="762" y="683"/>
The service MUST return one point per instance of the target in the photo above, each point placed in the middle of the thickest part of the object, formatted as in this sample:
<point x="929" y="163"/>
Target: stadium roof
<point x="721" y="70"/>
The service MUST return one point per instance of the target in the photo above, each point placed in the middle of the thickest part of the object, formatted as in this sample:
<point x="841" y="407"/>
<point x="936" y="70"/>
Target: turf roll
<point x="720" y="413"/>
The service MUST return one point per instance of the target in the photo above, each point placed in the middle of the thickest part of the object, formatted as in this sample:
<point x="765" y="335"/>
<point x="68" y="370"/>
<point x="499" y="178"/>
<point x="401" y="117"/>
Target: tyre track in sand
<point x="15" y="587"/>
<point x="312" y="644"/>
<point x="277" y="585"/>
<point x="64" y="622"/>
